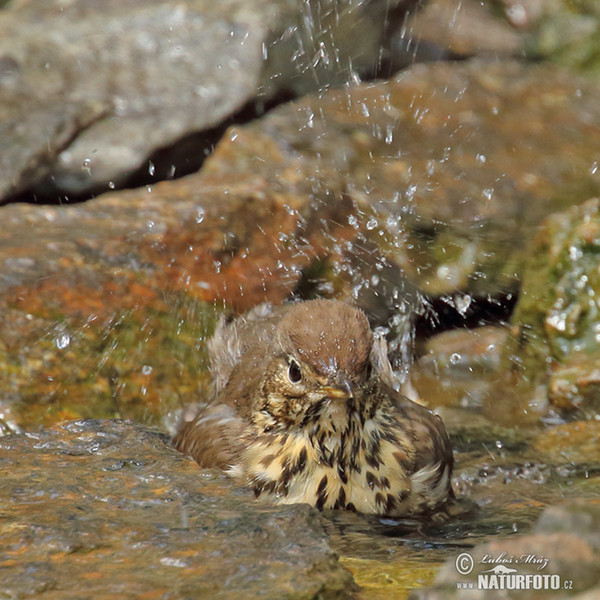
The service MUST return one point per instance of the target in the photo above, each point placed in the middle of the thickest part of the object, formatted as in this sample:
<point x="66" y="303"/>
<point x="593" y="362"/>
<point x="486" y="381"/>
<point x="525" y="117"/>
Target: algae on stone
<point x="556" y="323"/>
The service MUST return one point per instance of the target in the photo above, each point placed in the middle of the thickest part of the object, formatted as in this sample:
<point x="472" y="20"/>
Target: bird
<point x="304" y="410"/>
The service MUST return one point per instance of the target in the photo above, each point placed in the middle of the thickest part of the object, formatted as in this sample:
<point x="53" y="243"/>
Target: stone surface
<point x="88" y="113"/>
<point x="451" y="29"/>
<point x="105" y="306"/>
<point x="556" y="324"/>
<point x="560" y="30"/>
<point x="458" y="366"/>
<point x="574" y="387"/>
<point x="97" y="509"/>
<point x="578" y="517"/>
<point x="380" y="193"/>
<point x="577" y="442"/>
<point x="564" y="543"/>
<point x="430" y="162"/>
<point x="91" y="90"/>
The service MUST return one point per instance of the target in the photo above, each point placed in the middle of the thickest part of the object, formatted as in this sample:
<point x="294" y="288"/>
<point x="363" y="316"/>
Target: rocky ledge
<point x="106" y="508"/>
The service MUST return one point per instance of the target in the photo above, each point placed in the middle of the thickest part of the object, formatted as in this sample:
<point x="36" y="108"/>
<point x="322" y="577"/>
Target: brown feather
<point x="326" y="432"/>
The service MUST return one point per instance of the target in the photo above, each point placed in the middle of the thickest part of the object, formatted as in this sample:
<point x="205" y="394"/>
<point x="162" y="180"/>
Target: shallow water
<point x="500" y="492"/>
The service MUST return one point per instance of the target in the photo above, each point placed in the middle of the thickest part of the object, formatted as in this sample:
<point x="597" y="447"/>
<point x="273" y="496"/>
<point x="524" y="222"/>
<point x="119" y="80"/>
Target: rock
<point x="458" y="367"/>
<point x="574" y="387"/>
<point x="108" y="507"/>
<point x="564" y="544"/>
<point x="105" y="306"/>
<point x="445" y="28"/>
<point x="472" y="431"/>
<point x="579" y="517"/>
<point x="88" y="94"/>
<point x="466" y="350"/>
<point x="559" y="30"/>
<point x="556" y="321"/>
<point x="576" y="442"/>
<point x="102" y="302"/>
<point x="430" y="162"/>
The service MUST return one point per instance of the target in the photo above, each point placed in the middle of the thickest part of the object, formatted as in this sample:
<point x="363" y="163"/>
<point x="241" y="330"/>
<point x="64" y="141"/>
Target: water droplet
<point x="575" y="253"/>
<point x="410" y="191"/>
<point x="200" y="214"/>
<point x="455" y="357"/>
<point x="111" y="185"/>
<point x="372" y="223"/>
<point x="146" y="370"/>
<point x="151" y="168"/>
<point x="462" y="303"/>
<point x="353" y="221"/>
<point x="499" y="444"/>
<point x="481" y="158"/>
<point x="557" y="321"/>
<point x="389" y="134"/>
<point x="86" y="166"/>
<point x="63" y="341"/>
<point x="488" y="193"/>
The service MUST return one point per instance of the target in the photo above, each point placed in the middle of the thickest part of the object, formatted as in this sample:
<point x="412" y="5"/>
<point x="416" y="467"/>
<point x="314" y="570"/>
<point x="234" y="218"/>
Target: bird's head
<point x="318" y="370"/>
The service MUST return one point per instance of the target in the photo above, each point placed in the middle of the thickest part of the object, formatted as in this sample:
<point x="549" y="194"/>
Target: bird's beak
<point x="340" y="389"/>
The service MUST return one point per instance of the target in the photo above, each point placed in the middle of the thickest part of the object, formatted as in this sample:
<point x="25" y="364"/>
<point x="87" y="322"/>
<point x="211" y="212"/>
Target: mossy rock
<point x="556" y="323"/>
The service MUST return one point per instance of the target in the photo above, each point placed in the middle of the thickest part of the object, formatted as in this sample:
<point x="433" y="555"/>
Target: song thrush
<point x="304" y="411"/>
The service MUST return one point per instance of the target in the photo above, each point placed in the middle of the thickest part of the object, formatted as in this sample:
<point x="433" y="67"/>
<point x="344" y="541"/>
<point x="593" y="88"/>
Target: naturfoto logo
<point x="503" y="573"/>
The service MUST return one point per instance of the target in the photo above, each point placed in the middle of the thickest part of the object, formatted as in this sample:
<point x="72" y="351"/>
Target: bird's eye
<point x="294" y="373"/>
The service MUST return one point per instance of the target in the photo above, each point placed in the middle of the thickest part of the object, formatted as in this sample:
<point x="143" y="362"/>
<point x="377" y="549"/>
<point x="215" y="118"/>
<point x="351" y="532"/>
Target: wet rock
<point x="560" y="30"/>
<point x="105" y="306"/>
<point x="470" y="430"/>
<point x="379" y="193"/>
<point x="564" y="544"/>
<point x="556" y="322"/>
<point x="467" y="350"/>
<point x="576" y="442"/>
<point x="575" y="385"/>
<point x="446" y="28"/>
<point x="458" y="366"/>
<point x="431" y="164"/>
<point x="107" y="507"/>
<point x="579" y="517"/>
<point x="89" y="93"/>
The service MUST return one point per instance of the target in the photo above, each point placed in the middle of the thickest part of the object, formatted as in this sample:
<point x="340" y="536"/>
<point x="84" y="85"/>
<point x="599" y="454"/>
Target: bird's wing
<point x="212" y="437"/>
<point x="432" y="462"/>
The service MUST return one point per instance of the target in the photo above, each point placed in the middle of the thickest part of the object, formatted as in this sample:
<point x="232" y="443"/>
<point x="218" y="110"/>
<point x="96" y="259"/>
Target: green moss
<point x="558" y="313"/>
<point x="569" y="34"/>
<point x="139" y="364"/>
